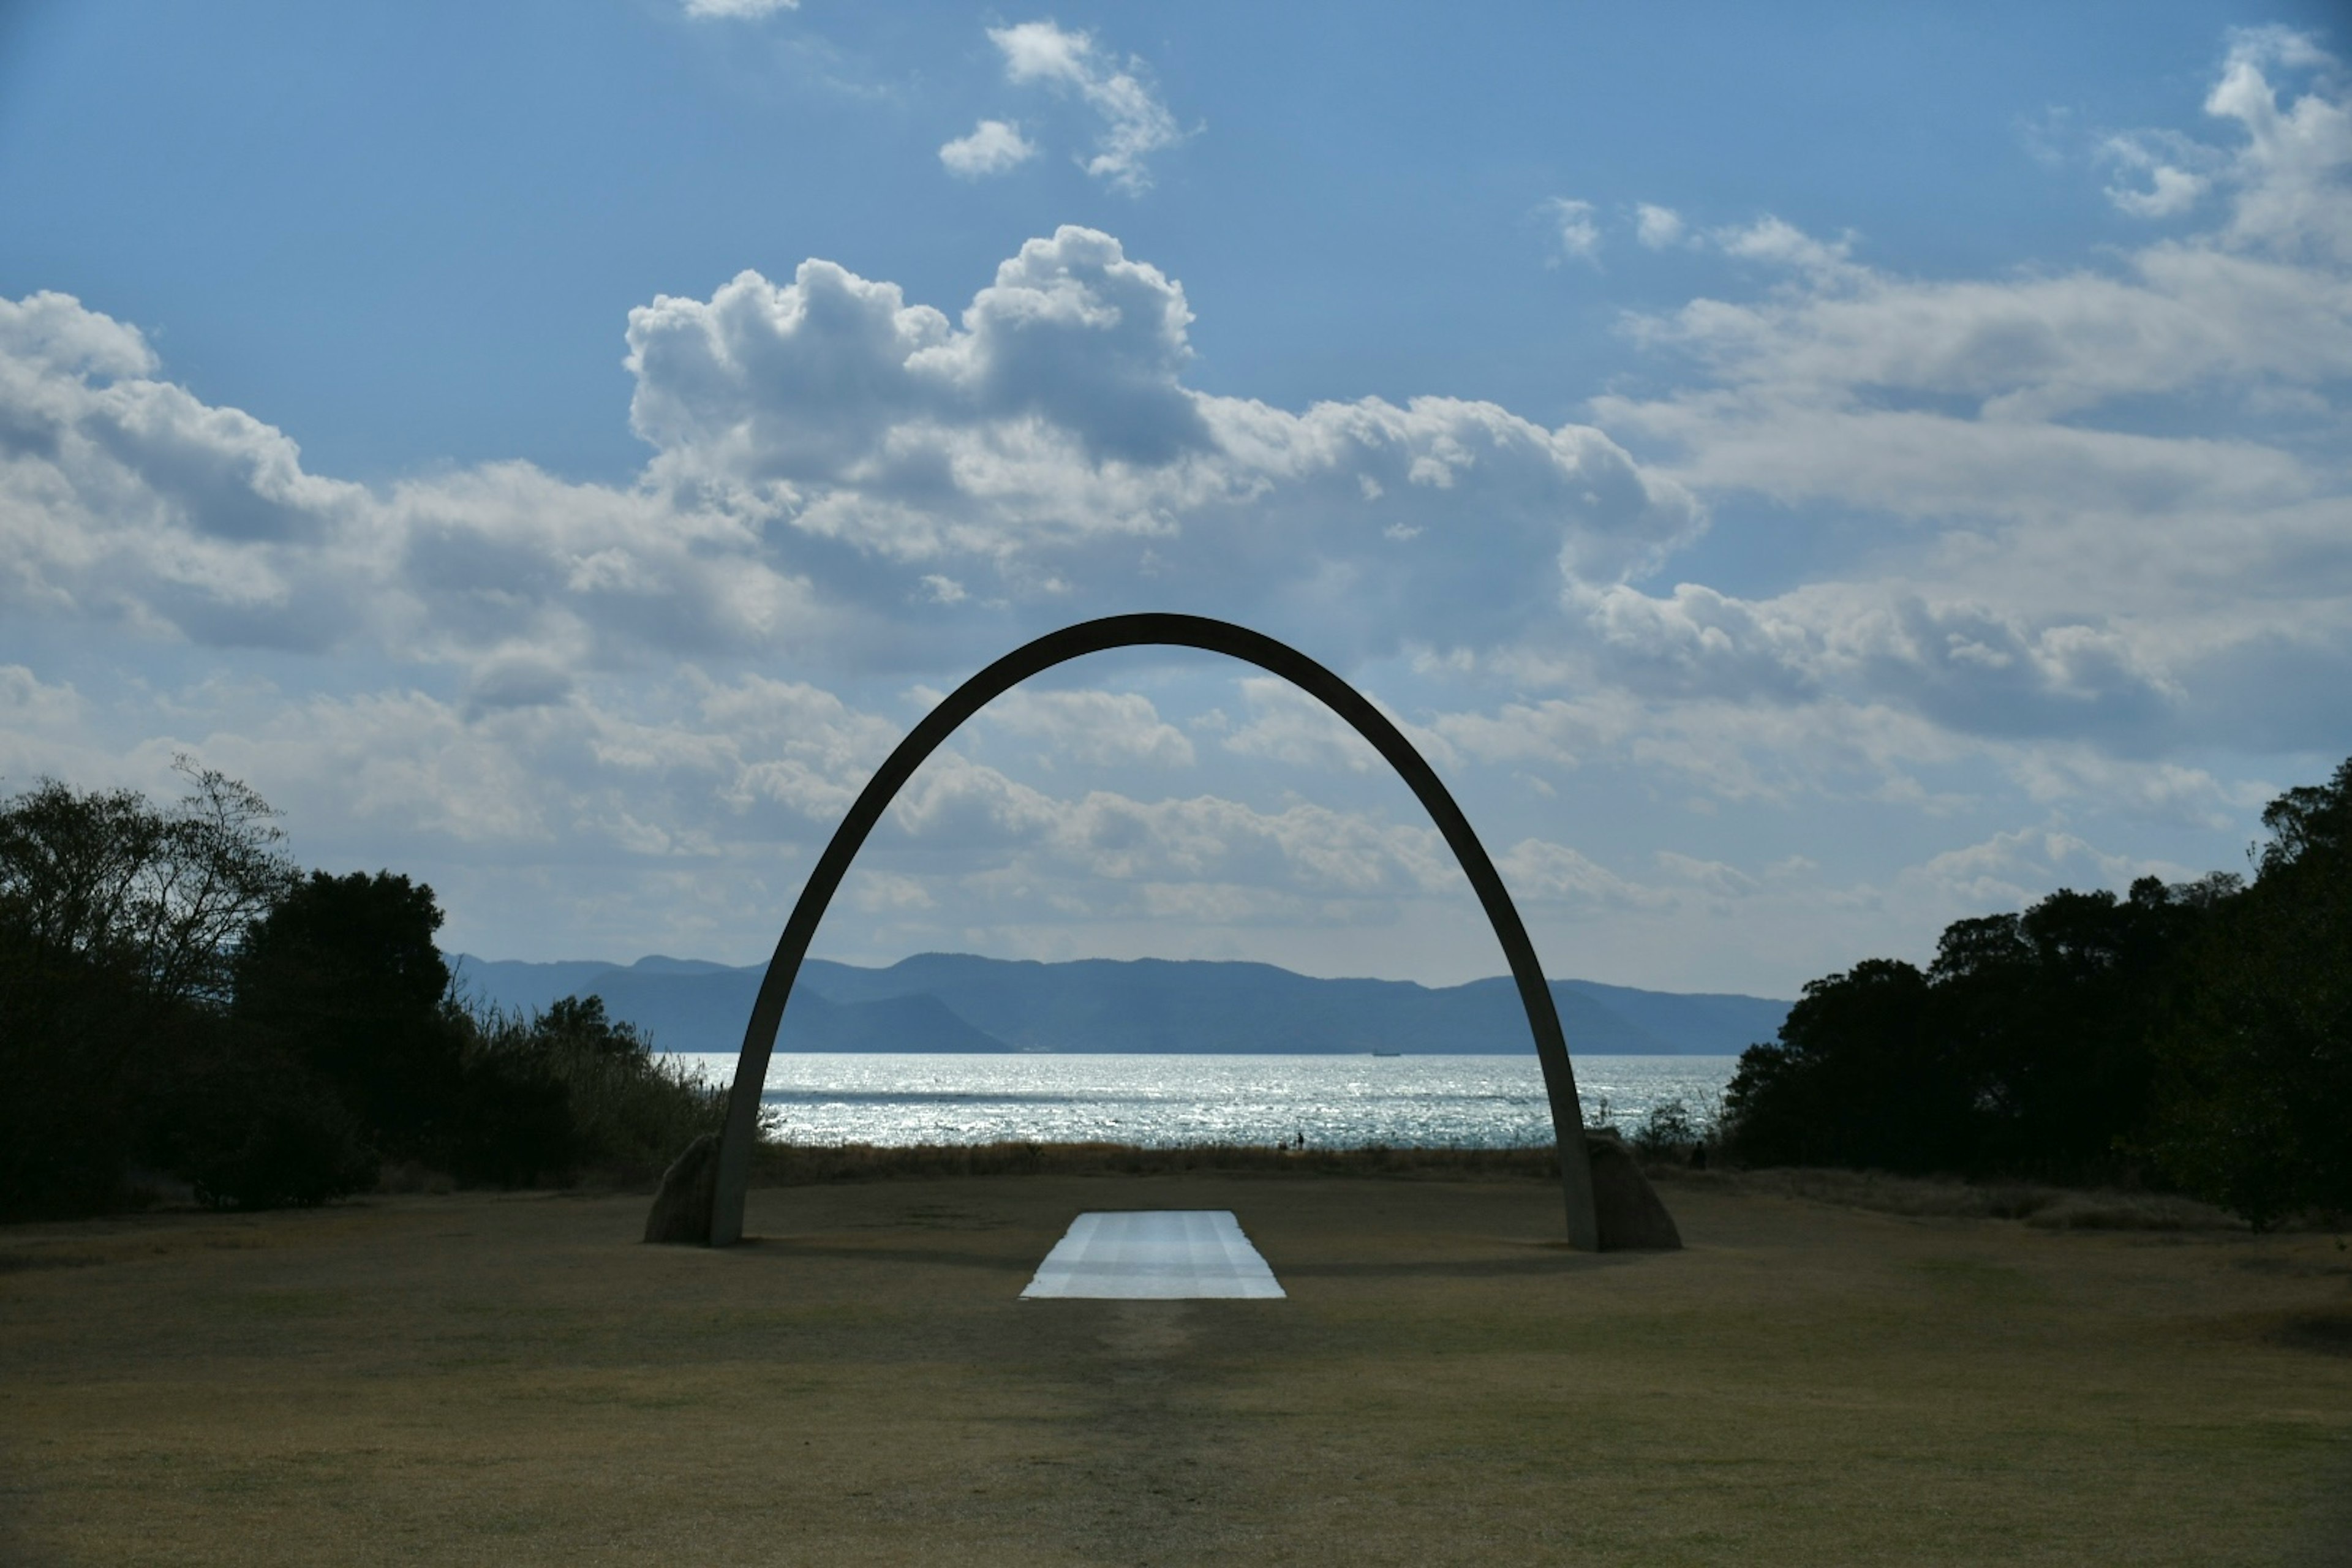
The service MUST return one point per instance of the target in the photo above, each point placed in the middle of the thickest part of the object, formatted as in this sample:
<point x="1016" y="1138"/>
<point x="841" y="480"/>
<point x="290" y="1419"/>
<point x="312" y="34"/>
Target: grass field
<point x="510" y="1379"/>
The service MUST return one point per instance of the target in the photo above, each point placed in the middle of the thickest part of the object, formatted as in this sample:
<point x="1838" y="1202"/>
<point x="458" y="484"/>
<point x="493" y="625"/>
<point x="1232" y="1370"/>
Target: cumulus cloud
<point x="826" y="453"/>
<point x="124" y="498"/>
<point x="1048" y="441"/>
<point x="739" y="9"/>
<point x="1135" y="123"/>
<point x="994" y="147"/>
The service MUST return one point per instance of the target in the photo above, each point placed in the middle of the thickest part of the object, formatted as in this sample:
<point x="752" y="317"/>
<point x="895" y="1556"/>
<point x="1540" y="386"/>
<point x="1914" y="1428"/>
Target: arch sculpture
<point x="734" y="1164"/>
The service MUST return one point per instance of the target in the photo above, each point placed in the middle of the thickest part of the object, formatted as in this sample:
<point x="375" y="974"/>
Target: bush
<point x="514" y="1125"/>
<point x="271" y="1139"/>
<point x="624" y="1110"/>
<point x="1672" y="1130"/>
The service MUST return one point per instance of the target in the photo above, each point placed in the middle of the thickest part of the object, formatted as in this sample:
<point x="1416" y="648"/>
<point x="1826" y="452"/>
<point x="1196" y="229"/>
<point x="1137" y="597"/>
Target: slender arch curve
<point x="1099" y="636"/>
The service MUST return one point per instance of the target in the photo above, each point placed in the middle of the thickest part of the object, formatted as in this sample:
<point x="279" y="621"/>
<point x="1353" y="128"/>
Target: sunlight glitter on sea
<point x="1330" y="1101"/>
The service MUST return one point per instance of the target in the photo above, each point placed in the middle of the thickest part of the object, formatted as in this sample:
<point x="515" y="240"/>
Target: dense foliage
<point x="2198" y="1035"/>
<point x="179" y="1004"/>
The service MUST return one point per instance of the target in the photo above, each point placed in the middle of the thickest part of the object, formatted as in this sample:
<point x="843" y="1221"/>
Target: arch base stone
<point x="1632" y="1217"/>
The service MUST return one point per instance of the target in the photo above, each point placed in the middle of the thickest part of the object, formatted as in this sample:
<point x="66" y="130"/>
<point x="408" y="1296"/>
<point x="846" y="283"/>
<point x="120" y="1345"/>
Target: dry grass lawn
<point x="509" y="1379"/>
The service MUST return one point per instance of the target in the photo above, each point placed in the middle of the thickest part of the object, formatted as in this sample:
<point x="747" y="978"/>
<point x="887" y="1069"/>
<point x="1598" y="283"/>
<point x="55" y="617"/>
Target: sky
<point x="1802" y="475"/>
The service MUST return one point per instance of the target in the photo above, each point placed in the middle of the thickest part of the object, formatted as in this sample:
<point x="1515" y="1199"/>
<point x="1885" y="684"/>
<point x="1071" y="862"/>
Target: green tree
<point x="1858" y="1076"/>
<point x="343" y="978"/>
<point x="2050" y="1017"/>
<point x="2257" y="1058"/>
<point x="2026" y="1049"/>
<point x="119" y="925"/>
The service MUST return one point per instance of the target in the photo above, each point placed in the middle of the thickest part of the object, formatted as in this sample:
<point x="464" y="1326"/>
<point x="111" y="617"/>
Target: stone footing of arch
<point x="1629" y="1214"/>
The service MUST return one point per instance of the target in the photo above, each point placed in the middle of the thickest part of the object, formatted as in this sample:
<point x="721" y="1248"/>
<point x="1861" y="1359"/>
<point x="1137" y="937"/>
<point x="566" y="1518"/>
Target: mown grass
<point x="486" y="1377"/>
<point x="2045" y="1208"/>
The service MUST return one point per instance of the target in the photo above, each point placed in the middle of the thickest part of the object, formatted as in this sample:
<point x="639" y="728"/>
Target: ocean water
<point x="1163" y="1100"/>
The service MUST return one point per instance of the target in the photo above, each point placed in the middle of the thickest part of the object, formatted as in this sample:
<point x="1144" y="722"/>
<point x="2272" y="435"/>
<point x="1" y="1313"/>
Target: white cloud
<point x="1972" y="667"/>
<point x="825" y="455"/>
<point x="1657" y="228"/>
<point x="1102" y="727"/>
<point x="2293" y="174"/>
<point x="45" y="728"/>
<point x="2170" y="188"/>
<point x="1287" y="725"/>
<point x="1023" y="835"/>
<point x="1782" y="243"/>
<point x="739" y="9"/>
<point x="124" y="498"/>
<point x="1134" y="124"/>
<point x="1574" y="232"/>
<point x="994" y="147"/>
<point x="2013" y="869"/>
<point x="1543" y="873"/>
<point x="1290" y="726"/>
<point x="1715" y="878"/>
<point x="2056" y="556"/>
<point x="1050" y="440"/>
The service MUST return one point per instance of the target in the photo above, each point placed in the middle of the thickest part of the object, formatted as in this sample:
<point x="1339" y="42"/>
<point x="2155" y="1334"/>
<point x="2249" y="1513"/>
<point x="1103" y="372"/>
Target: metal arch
<point x="1099" y="636"/>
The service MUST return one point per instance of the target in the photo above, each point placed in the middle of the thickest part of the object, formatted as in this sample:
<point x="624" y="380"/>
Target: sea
<point x="1166" y="1100"/>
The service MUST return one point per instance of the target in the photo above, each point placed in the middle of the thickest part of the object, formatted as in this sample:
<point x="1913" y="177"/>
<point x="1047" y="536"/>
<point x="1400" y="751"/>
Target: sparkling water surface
<point x="1163" y="1100"/>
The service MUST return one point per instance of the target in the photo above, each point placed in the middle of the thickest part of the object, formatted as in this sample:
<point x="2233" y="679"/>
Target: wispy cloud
<point x="1575" y="233"/>
<point x="1135" y="123"/>
<point x="2081" y="569"/>
<point x="739" y="9"/>
<point x="1656" y="227"/>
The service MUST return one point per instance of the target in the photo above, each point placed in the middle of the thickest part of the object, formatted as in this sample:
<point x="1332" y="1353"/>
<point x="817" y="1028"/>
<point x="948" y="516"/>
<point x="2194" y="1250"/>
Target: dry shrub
<point x="2132" y="1210"/>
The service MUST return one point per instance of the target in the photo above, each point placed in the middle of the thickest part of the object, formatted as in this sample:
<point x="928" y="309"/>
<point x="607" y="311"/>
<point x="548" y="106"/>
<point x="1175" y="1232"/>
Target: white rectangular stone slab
<point x="1157" y="1255"/>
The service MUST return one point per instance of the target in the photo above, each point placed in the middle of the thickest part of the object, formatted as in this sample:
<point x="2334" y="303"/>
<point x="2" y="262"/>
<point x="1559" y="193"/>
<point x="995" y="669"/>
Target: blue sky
<point x="1805" y="474"/>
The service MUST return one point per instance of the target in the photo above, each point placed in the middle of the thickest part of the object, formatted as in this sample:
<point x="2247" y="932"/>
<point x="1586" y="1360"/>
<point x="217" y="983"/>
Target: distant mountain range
<point x="954" y="1001"/>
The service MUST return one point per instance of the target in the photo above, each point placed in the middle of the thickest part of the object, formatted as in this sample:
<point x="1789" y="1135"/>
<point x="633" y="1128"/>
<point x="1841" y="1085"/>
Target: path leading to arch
<point x="1154" y="1255"/>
